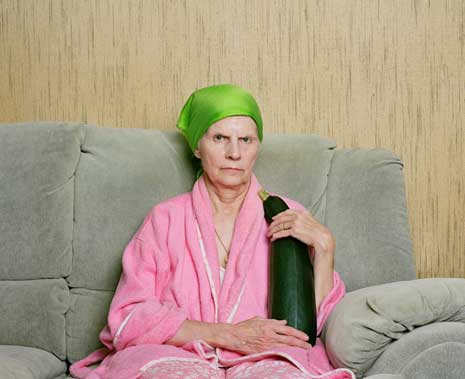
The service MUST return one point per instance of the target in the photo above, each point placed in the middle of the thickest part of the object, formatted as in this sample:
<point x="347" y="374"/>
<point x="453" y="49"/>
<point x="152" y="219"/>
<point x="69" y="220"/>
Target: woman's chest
<point x="197" y="285"/>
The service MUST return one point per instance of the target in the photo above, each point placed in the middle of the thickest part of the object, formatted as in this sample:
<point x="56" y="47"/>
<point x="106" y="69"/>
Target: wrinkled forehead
<point x="234" y="124"/>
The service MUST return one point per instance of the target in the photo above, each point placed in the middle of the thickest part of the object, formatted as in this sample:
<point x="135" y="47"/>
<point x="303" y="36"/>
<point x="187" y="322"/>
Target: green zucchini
<point x="292" y="288"/>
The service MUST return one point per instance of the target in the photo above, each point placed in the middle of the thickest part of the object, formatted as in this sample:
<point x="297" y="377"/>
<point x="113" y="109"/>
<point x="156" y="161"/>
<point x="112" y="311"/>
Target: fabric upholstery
<point x="37" y="164"/>
<point x="85" y="319"/>
<point x="32" y="313"/>
<point x="122" y="173"/>
<point x="442" y="361"/>
<point x="368" y="320"/>
<point x="297" y="166"/>
<point x="401" y="353"/>
<point x="367" y="212"/>
<point x="18" y="362"/>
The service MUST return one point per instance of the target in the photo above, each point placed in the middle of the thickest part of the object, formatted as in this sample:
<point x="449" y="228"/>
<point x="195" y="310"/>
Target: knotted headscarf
<point x="208" y="105"/>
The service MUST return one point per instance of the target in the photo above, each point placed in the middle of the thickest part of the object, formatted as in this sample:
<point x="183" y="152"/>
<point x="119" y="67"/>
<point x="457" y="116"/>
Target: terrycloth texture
<point x="32" y="313"/>
<point x="366" y="321"/>
<point x="171" y="273"/>
<point x="208" y="105"/>
<point x="266" y="368"/>
<point x="18" y="362"/>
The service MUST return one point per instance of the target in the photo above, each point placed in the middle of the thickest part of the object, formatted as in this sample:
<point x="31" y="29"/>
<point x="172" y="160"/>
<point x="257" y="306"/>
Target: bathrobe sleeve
<point x="136" y="315"/>
<point x="330" y="301"/>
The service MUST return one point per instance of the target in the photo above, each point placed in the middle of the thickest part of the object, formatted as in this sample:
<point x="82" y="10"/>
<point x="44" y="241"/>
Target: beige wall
<point x="373" y="74"/>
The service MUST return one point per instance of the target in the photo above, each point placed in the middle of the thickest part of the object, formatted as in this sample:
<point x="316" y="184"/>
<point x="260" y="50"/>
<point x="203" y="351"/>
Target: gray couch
<point x="72" y="196"/>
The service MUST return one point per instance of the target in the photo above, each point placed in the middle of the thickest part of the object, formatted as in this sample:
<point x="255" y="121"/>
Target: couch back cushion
<point x="367" y="212"/>
<point x="37" y="165"/>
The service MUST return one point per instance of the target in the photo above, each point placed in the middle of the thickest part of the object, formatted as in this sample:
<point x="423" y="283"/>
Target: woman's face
<point x="228" y="151"/>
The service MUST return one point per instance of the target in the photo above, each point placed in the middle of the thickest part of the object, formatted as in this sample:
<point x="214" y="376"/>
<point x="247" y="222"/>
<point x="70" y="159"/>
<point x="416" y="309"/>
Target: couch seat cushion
<point x="32" y="313"/>
<point x="18" y="362"/>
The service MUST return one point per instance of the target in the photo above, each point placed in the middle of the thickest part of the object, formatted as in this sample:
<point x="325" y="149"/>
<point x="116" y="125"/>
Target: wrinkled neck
<point x="226" y="201"/>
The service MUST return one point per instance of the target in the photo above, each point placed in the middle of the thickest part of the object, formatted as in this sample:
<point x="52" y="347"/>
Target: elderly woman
<point x="192" y="298"/>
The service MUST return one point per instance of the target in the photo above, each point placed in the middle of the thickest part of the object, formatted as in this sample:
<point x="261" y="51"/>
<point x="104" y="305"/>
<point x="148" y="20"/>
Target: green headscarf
<point x="210" y="104"/>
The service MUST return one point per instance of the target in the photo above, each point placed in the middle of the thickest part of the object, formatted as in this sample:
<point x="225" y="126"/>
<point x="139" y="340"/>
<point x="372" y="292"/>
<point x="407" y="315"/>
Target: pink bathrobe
<point x="171" y="273"/>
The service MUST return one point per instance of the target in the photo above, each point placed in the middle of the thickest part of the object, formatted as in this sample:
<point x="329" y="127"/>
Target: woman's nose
<point x="234" y="151"/>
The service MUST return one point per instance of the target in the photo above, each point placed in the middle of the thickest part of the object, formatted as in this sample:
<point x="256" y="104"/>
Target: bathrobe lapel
<point x="249" y="228"/>
<point x="207" y="297"/>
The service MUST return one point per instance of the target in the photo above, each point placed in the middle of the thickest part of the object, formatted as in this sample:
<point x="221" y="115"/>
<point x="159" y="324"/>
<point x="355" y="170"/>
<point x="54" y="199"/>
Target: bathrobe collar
<point x="249" y="227"/>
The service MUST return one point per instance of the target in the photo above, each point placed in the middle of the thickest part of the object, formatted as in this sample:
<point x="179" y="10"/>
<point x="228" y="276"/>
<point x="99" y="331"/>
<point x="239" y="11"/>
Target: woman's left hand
<point x="302" y="225"/>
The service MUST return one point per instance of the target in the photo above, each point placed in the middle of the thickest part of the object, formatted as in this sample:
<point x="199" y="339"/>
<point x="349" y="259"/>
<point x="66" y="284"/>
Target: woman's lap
<point x="267" y="368"/>
<point x="184" y="369"/>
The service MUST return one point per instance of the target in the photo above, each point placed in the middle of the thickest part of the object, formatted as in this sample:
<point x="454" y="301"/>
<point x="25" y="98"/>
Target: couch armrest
<point x="367" y="321"/>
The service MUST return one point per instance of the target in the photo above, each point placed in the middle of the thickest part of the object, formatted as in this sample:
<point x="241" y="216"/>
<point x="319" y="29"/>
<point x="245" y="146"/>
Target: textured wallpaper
<point x="372" y="74"/>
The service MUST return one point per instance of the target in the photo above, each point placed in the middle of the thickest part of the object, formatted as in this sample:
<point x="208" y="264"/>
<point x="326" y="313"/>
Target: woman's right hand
<point x="257" y="334"/>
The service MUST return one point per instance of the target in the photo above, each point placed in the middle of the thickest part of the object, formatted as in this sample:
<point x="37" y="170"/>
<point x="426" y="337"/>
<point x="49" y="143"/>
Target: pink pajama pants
<point x="186" y="369"/>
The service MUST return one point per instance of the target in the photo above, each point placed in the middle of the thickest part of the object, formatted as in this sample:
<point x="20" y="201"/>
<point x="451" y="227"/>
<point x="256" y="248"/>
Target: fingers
<point x="283" y="223"/>
<point x="292" y="341"/>
<point x="290" y="331"/>
<point x="280" y="228"/>
<point x="295" y="223"/>
<point x="286" y="220"/>
<point x="290" y="336"/>
<point x="286" y="213"/>
<point x="282" y="234"/>
<point x="260" y="334"/>
<point x="291" y="215"/>
<point x="278" y="322"/>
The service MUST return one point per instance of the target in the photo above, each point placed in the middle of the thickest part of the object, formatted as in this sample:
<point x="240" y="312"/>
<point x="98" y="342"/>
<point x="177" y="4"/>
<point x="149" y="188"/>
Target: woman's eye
<point x="218" y="137"/>
<point x="246" y="139"/>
